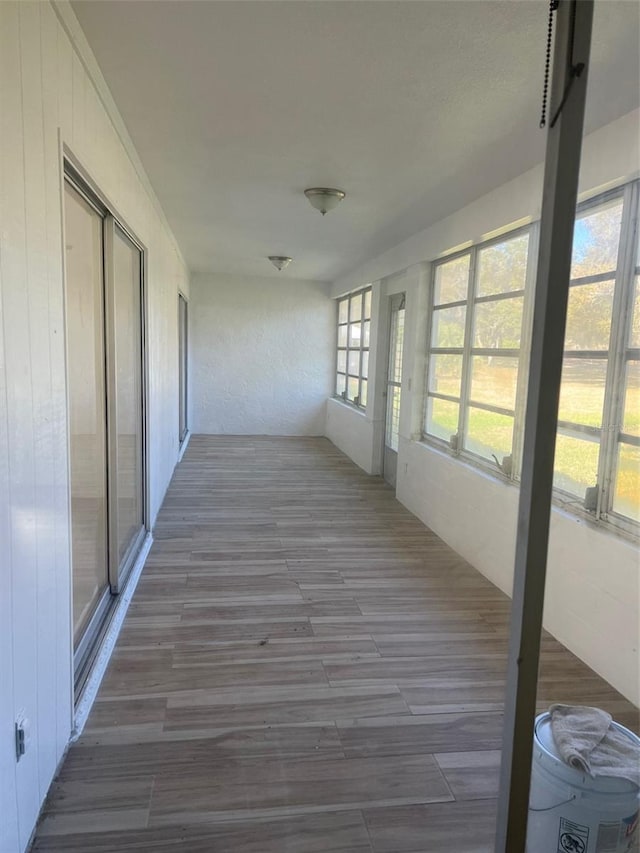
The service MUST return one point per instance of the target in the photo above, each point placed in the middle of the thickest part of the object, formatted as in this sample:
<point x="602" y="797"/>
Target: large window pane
<point x="366" y="334"/>
<point x="341" y="384"/>
<point x="595" y="240"/>
<point x="626" y="500"/>
<point x="354" y="362"/>
<point x="631" y="419"/>
<point x="363" y="393"/>
<point x="488" y="433"/>
<point x="352" y="388"/>
<point x="582" y="391"/>
<point x="127" y="279"/>
<point x="452" y="281"/>
<point x="355" y="334"/>
<point x="442" y="418"/>
<point x="87" y="406"/>
<point x="356" y="307"/>
<point x="493" y="380"/>
<point x="365" y="363"/>
<point x="448" y="327"/>
<point x="367" y="305"/>
<point x="342" y="336"/>
<point x="589" y="316"/>
<point x="396" y="347"/>
<point x="498" y="325"/>
<point x="503" y="266"/>
<point x="342" y="360"/>
<point x="576" y="464"/>
<point x="343" y="311"/>
<point x="445" y="374"/>
<point x="393" y="418"/>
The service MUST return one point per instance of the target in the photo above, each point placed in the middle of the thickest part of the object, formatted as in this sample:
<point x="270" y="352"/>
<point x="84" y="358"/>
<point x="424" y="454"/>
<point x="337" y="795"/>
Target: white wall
<point x="592" y="601"/>
<point x="262" y="355"/>
<point x="52" y="93"/>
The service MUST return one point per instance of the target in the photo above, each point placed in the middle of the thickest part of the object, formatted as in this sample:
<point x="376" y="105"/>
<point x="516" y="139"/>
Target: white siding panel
<point x="48" y="100"/>
<point x="20" y="417"/>
<point x="8" y="802"/>
<point x="57" y="410"/>
<point x="38" y="285"/>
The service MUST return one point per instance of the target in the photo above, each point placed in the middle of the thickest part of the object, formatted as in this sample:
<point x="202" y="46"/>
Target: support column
<point x="562" y="165"/>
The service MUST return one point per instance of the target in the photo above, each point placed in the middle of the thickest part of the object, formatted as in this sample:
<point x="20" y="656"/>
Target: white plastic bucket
<point x="569" y="811"/>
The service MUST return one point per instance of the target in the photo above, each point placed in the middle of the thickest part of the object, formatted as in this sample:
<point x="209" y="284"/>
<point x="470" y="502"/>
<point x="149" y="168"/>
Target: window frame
<point x="619" y="354"/>
<point x="119" y="568"/>
<point x="183" y="368"/>
<point x="467" y="350"/>
<point x="348" y="349"/>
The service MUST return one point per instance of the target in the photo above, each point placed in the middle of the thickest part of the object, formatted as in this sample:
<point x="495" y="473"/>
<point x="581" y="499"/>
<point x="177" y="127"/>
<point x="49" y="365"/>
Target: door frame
<point x="182" y="437"/>
<point x="118" y="572"/>
<point x="401" y="296"/>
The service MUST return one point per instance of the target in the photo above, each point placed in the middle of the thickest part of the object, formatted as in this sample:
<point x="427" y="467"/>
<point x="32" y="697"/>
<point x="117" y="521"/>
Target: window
<point x="477" y="364"/>
<point x="598" y="441"/>
<point x="476" y="327"/>
<point x="354" y="332"/>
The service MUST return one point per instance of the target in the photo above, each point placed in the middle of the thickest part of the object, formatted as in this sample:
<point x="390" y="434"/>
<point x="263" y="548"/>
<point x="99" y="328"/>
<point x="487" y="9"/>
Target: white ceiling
<point x="413" y="108"/>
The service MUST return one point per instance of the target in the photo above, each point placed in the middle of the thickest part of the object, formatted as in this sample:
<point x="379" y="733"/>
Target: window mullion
<point x="466" y="355"/>
<point x="361" y="349"/>
<point x="430" y="315"/>
<point x="622" y="310"/>
<point x="525" y="348"/>
<point x="346" y="369"/>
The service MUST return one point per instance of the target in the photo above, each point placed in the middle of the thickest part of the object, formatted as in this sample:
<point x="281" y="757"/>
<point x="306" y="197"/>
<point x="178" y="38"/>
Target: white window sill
<point x="347" y="404"/>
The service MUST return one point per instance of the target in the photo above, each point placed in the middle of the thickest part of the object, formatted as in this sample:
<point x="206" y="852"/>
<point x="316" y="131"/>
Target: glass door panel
<point x="394" y="389"/>
<point x="182" y="366"/>
<point x="87" y="406"/>
<point x="128" y="451"/>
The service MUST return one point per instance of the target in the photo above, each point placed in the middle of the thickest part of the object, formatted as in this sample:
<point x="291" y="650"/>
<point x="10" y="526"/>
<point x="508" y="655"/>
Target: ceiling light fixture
<point x="324" y="198"/>
<point x="280" y="261"/>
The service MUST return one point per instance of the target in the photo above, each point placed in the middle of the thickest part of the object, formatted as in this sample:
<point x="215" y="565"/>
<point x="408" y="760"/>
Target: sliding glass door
<point x="105" y="348"/>
<point x="87" y="406"/>
<point x="126" y="393"/>
<point x="182" y="366"/>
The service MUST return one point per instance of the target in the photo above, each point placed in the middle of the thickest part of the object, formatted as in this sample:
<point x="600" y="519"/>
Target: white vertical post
<point x="562" y="164"/>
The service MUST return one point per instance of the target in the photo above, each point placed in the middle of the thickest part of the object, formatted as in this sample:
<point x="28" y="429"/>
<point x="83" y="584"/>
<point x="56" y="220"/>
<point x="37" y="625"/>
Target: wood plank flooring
<point x="304" y="668"/>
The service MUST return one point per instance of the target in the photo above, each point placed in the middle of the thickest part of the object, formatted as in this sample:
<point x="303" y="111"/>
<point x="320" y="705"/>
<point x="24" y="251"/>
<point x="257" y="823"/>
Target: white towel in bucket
<point x="587" y="741"/>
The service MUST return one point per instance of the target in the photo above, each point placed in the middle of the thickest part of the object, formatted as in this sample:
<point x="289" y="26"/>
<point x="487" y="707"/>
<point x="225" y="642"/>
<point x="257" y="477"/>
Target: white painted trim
<point x="183" y="446"/>
<point x="70" y="24"/>
<point x="108" y="642"/>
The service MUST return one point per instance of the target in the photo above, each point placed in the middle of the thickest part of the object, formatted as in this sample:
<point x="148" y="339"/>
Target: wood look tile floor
<point x="304" y="668"/>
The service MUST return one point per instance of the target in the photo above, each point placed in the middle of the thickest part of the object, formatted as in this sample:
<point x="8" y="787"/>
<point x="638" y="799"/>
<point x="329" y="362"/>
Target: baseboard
<point x="108" y="643"/>
<point x="183" y="446"/>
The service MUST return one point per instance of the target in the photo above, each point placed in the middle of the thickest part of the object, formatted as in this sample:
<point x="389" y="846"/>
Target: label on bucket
<point x="608" y="835"/>
<point x="572" y="837"/>
<point x="616" y="836"/>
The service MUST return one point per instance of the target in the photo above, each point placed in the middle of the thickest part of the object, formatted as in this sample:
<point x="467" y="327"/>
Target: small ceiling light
<point x="324" y="198"/>
<point x="280" y="261"/>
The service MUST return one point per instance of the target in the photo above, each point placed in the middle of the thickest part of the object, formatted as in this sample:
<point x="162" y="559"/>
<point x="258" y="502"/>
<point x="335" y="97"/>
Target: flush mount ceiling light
<point x="324" y="198"/>
<point x="280" y="261"/>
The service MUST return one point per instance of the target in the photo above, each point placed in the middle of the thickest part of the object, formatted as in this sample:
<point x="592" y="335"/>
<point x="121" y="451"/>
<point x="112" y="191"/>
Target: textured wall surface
<point x="49" y="99"/>
<point x="262" y="355"/>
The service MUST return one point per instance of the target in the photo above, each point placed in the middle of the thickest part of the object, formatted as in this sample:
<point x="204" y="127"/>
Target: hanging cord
<point x="576" y="70"/>
<point x="553" y="5"/>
